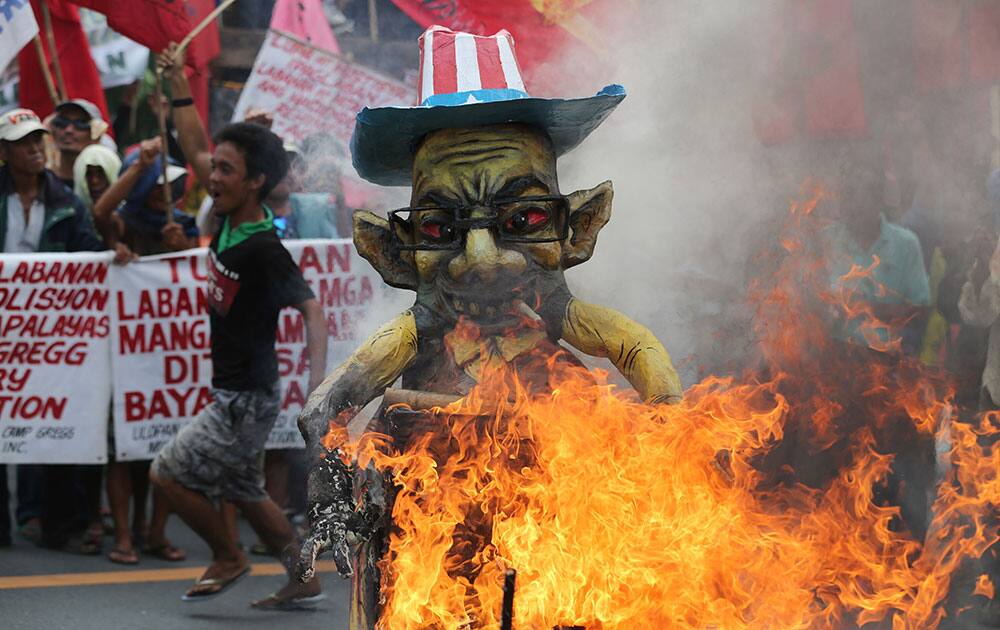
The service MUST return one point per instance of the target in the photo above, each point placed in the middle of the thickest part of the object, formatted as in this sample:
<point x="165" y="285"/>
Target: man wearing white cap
<point x="76" y="124"/>
<point x="39" y="214"/>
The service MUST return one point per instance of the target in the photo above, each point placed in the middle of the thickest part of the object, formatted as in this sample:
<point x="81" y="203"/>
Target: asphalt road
<point x="47" y="589"/>
<point x="146" y="595"/>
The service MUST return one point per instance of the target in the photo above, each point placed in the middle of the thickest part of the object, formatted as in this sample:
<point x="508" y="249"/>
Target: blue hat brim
<point x="385" y="138"/>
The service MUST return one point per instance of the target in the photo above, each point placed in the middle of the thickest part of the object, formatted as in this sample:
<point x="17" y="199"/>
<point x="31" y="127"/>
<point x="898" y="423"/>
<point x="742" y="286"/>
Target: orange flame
<point x="618" y="514"/>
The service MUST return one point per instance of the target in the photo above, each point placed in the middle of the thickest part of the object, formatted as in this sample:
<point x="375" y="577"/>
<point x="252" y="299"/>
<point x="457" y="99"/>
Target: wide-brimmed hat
<point x="468" y="81"/>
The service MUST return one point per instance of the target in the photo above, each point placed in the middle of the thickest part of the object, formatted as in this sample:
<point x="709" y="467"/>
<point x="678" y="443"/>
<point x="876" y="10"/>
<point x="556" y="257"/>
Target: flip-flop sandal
<point x="120" y="555"/>
<point x="166" y="552"/>
<point x="224" y="585"/>
<point x="273" y="602"/>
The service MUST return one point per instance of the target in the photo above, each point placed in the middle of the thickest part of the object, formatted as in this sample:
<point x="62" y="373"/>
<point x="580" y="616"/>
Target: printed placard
<point x="310" y="90"/>
<point x="160" y="340"/>
<point x="55" y="380"/>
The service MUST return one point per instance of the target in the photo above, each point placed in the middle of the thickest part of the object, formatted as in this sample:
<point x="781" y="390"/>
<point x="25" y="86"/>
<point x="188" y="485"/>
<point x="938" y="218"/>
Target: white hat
<point x="88" y="108"/>
<point x="17" y="123"/>
<point x="174" y="172"/>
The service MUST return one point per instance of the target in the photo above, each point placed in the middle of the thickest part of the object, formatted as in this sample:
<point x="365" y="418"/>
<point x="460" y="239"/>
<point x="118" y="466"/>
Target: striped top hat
<point x="468" y="81"/>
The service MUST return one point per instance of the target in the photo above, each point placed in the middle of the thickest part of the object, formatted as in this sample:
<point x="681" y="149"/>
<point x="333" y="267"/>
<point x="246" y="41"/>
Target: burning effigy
<point x="616" y="508"/>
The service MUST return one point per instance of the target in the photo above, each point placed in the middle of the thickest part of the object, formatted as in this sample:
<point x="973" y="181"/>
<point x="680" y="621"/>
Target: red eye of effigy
<point x="527" y="220"/>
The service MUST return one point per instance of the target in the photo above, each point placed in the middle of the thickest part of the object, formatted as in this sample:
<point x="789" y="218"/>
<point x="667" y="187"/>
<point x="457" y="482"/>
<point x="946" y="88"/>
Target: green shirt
<point x="229" y="237"/>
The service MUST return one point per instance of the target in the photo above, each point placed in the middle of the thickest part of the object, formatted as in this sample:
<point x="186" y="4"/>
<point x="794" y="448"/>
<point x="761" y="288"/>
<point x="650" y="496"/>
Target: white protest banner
<point x="9" y="80"/>
<point x="17" y="28"/>
<point x="55" y="379"/>
<point x="119" y="60"/>
<point x="311" y="90"/>
<point x="160" y="339"/>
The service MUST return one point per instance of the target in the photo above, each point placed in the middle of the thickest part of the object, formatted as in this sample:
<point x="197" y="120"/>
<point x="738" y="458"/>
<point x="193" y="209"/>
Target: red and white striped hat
<point x="467" y="81"/>
<point x="460" y="68"/>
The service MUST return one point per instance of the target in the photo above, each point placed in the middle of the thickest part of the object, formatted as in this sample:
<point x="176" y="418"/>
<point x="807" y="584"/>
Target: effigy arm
<point x="634" y="350"/>
<point x="335" y="523"/>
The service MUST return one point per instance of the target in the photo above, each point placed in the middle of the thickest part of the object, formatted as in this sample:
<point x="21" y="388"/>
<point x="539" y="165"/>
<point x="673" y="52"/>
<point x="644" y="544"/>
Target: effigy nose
<point x="484" y="259"/>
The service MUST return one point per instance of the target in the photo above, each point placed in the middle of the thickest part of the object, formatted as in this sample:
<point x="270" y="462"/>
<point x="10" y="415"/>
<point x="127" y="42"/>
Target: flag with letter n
<point x="17" y="28"/>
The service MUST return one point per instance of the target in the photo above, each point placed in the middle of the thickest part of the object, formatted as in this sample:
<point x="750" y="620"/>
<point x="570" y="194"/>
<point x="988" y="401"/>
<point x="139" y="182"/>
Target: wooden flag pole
<point x="46" y="73"/>
<point x="161" y="111"/>
<point x="50" y="36"/>
<point x="204" y="23"/>
<point x="373" y="20"/>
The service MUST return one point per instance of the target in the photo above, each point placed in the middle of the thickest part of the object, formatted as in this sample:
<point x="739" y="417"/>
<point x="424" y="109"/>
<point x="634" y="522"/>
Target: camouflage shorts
<point x="221" y="453"/>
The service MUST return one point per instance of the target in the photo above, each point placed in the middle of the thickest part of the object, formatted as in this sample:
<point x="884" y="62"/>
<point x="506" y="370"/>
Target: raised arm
<point x="190" y="128"/>
<point x="638" y="355"/>
<point x="113" y="197"/>
<point x="333" y="520"/>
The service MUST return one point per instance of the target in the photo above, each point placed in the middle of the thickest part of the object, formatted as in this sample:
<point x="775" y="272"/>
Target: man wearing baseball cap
<point x="76" y="124"/>
<point x="39" y="214"/>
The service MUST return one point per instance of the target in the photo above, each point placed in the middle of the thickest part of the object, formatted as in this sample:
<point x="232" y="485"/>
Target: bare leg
<point x="270" y="523"/>
<point x="119" y="487"/>
<point x="139" y="472"/>
<point x="201" y="515"/>
<point x="158" y="521"/>
<point x="273" y="528"/>
<point x="229" y="516"/>
<point x="276" y="477"/>
<point x="157" y="542"/>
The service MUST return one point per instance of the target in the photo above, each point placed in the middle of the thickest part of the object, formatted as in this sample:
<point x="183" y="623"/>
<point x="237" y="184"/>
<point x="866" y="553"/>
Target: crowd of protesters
<point x="65" y="185"/>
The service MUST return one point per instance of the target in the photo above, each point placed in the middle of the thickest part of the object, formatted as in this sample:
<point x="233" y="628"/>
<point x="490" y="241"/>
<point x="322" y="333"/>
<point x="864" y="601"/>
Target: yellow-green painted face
<point x="484" y="172"/>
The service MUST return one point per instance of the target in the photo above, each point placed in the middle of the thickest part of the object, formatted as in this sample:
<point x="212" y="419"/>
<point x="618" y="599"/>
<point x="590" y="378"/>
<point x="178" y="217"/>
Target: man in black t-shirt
<point x="251" y="277"/>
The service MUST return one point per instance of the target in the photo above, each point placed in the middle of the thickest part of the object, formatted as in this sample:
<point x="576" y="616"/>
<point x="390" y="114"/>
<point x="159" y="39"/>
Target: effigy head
<point x="487" y="226"/>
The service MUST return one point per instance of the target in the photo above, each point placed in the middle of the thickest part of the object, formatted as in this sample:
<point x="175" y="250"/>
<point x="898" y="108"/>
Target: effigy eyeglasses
<point x="537" y="219"/>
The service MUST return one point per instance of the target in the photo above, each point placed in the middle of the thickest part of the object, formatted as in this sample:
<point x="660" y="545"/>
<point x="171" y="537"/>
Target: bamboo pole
<point x="204" y="23"/>
<point x="161" y="115"/>
<point x="46" y="73"/>
<point x="50" y="36"/>
<point x="373" y="20"/>
<point x="162" y="109"/>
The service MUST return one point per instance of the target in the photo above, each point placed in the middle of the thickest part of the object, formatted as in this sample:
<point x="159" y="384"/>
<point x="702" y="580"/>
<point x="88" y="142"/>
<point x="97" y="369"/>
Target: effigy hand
<point x="335" y="525"/>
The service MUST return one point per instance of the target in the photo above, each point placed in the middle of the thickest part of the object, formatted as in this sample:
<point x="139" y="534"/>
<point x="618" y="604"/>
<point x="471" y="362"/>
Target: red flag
<point x="559" y="46"/>
<point x="73" y="51"/>
<point x="152" y="23"/>
<point x="156" y="23"/>
<point x="815" y="83"/>
<point x="205" y="47"/>
<point x="202" y="50"/>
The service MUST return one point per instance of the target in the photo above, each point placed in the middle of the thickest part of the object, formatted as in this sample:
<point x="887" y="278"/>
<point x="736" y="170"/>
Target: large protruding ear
<point x="373" y="238"/>
<point x="589" y="211"/>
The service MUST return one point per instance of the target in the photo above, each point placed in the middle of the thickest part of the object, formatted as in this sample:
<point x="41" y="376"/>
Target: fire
<point x="618" y="514"/>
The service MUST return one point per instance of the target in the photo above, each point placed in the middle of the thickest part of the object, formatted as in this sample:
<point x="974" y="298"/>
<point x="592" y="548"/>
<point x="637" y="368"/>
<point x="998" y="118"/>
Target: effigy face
<point x="486" y="235"/>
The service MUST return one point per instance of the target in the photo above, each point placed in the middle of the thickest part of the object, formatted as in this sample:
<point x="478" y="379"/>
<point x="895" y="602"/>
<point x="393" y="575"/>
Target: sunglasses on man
<point x="61" y="122"/>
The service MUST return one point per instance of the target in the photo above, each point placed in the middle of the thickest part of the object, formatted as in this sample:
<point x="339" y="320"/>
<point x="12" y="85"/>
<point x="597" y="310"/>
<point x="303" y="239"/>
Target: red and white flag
<point x="17" y="28"/>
